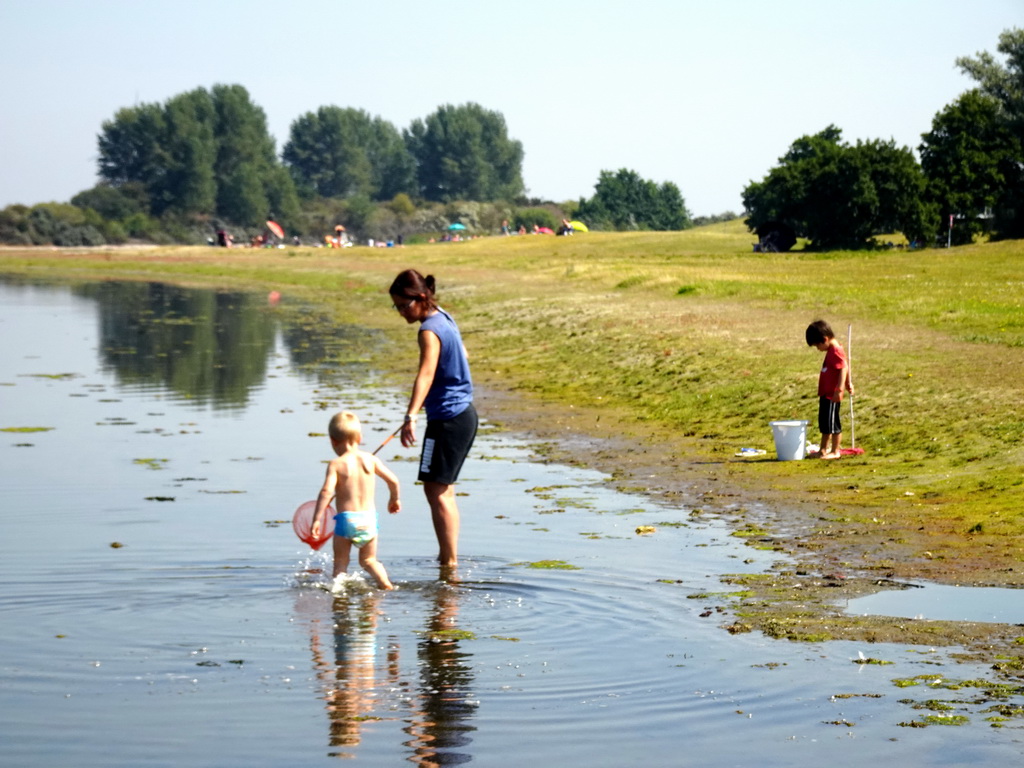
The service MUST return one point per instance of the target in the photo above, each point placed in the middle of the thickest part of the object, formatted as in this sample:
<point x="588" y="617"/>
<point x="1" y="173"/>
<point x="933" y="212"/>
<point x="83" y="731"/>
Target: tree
<point x="242" y="198"/>
<point x="465" y="153"/>
<point x="624" y="201"/>
<point x="967" y="157"/>
<point x="282" y="198"/>
<point x="252" y="184"/>
<point x="337" y="152"/>
<point x="1004" y="84"/>
<point x="200" y="153"/>
<point x="839" y="195"/>
<point x="188" y="183"/>
<point x="900" y="188"/>
<point x="169" y="150"/>
<point x="131" y="147"/>
<point x="669" y="212"/>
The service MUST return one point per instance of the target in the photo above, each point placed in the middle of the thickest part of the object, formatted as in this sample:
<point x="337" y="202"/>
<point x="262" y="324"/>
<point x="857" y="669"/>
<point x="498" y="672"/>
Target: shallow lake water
<point x="158" y="610"/>
<point x="946" y="603"/>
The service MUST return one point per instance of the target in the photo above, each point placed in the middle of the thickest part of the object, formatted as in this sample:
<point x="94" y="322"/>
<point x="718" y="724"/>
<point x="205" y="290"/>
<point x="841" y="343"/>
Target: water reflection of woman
<point x="444" y="387"/>
<point x="440" y="728"/>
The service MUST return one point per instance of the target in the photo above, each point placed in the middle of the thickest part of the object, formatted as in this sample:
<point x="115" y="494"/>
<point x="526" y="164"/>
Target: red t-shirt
<point x="831" y="371"/>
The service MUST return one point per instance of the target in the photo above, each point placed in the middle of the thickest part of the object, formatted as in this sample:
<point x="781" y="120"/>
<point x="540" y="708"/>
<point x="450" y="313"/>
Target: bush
<point x="67" y="235"/>
<point x="402" y="205"/>
<point x="717" y="218"/>
<point x="141" y="226"/>
<point x="529" y="217"/>
<point x="114" y="232"/>
<point x="430" y="218"/>
<point x="109" y="202"/>
<point x="13" y="236"/>
<point x="14" y="227"/>
<point x="51" y="223"/>
<point x="382" y="224"/>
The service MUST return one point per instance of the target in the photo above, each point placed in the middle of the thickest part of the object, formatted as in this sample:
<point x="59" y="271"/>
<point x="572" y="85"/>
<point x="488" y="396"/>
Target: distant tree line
<point x="204" y="160"/>
<point x="715" y="218"/>
<point x="970" y="176"/>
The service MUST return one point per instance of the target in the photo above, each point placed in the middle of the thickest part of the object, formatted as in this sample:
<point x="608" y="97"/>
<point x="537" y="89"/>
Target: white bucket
<point x="790" y="438"/>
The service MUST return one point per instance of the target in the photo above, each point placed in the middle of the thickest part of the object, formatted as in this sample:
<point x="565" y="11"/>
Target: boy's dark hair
<point x="818" y="332"/>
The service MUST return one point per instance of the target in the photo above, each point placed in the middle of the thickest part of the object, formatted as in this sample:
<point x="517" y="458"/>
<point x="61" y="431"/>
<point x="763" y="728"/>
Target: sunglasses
<point x="403" y="307"/>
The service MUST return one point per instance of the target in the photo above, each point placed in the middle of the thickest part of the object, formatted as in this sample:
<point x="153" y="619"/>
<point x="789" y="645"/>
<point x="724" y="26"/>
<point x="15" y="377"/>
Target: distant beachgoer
<point x="444" y="387"/>
<point x="350" y="479"/>
<point x="833" y="380"/>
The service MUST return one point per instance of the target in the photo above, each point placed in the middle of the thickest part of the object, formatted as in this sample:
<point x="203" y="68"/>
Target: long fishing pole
<point x="849" y="381"/>
<point x="388" y="440"/>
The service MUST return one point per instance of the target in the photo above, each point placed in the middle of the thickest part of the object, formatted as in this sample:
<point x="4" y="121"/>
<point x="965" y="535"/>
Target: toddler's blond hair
<point x="345" y="428"/>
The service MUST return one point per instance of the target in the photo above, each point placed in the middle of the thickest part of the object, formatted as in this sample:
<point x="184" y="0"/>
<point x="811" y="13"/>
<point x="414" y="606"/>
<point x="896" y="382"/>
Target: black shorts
<point x="828" y="417"/>
<point x="445" y="447"/>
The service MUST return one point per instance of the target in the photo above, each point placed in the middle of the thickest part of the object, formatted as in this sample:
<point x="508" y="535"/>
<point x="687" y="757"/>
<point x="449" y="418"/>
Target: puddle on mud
<point x="941" y="602"/>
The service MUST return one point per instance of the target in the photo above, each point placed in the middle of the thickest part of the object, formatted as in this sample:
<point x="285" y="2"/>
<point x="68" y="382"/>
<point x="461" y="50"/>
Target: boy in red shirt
<point x="833" y="380"/>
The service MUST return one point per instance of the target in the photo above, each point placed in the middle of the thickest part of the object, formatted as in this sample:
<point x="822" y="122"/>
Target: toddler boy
<point x="350" y="478"/>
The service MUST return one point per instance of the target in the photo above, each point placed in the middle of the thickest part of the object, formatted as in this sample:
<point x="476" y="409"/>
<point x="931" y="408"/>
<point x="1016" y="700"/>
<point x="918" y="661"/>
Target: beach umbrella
<point x="579" y="226"/>
<point x="274" y="227"/>
<point x="456" y="225"/>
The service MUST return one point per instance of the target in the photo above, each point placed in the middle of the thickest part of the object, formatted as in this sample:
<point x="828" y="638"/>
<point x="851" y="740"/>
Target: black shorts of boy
<point x="445" y="447"/>
<point x="828" y="417"/>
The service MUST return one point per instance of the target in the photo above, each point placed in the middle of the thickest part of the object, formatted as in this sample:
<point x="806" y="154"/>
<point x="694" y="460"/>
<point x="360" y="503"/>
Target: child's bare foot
<point x="836" y="455"/>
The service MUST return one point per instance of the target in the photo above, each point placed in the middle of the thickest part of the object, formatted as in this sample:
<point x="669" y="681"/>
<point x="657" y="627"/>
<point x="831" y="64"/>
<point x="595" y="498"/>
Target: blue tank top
<point x="452" y="390"/>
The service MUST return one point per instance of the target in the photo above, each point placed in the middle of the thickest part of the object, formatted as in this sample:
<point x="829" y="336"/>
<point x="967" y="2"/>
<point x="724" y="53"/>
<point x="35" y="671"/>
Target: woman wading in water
<point x="443" y="386"/>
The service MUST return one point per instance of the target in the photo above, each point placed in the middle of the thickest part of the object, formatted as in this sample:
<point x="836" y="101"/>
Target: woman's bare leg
<point x="444" y="513"/>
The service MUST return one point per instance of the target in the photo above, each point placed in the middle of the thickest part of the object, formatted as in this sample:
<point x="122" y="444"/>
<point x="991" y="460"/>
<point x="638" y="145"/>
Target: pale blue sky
<point x="707" y="95"/>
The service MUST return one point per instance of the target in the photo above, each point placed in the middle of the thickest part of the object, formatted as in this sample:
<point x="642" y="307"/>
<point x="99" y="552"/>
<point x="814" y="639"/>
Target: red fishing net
<point x="302" y="522"/>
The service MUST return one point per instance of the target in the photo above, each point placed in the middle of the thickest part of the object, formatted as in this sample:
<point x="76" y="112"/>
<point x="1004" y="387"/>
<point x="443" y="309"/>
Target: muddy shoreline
<point x="828" y="559"/>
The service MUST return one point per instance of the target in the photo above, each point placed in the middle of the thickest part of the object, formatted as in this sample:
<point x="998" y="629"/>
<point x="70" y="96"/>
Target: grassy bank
<point x="688" y="345"/>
